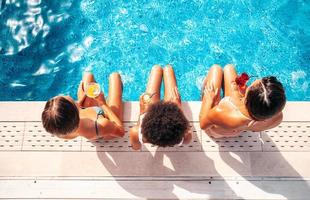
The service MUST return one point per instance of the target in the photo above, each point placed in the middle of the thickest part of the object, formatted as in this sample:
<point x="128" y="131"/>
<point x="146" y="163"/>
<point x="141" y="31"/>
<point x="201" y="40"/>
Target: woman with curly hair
<point x="163" y="122"/>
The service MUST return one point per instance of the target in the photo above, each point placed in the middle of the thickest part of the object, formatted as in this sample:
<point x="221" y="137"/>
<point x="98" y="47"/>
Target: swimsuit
<point x="229" y="100"/>
<point x="99" y="112"/>
<point x="215" y="130"/>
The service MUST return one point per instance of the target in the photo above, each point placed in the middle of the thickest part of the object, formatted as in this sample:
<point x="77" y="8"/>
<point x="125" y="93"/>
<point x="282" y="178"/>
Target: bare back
<point x="229" y="121"/>
<point x="230" y="116"/>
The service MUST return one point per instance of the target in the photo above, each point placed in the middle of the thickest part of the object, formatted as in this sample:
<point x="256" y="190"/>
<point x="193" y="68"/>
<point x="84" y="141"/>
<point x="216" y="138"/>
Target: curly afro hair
<point x="164" y="124"/>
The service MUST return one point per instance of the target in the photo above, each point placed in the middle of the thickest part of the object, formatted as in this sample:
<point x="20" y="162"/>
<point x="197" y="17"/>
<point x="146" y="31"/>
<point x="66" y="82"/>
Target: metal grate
<point x="247" y="141"/>
<point x="288" y="136"/>
<point x="37" y="139"/>
<point x="11" y="136"/>
<point x="31" y="136"/>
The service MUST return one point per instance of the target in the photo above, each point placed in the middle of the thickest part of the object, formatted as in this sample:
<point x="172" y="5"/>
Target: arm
<point x="276" y="121"/>
<point x="187" y="137"/>
<point x="113" y="119"/>
<point x="110" y="129"/>
<point x="204" y="120"/>
<point x="269" y="124"/>
<point x="134" y="131"/>
<point x="143" y="106"/>
<point x="208" y="101"/>
<point x="134" y="138"/>
<point x="81" y="95"/>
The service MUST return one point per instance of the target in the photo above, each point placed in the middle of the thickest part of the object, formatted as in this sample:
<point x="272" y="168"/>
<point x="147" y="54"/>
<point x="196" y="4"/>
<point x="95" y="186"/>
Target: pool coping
<point x="31" y="110"/>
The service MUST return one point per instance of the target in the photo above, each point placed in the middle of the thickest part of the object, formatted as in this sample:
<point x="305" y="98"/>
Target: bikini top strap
<point x="181" y="143"/>
<point x="99" y="112"/>
<point x="229" y="100"/>
<point x="140" y="136"/>
<point x="252" y="123"/>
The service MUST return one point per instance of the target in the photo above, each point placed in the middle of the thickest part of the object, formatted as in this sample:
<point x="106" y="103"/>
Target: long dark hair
<point x="265" y="99"/>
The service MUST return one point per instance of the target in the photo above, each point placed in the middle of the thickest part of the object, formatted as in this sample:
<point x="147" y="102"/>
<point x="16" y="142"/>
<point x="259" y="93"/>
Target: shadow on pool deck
<point x="153" y="166"/>
<point x="278" y="161"/>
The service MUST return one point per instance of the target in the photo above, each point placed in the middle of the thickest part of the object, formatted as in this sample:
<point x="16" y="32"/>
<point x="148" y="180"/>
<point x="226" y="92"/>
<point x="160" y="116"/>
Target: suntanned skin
<point x="222" y="119"/>
<point x="170" y="94"/>
<point x="110" y="126"/>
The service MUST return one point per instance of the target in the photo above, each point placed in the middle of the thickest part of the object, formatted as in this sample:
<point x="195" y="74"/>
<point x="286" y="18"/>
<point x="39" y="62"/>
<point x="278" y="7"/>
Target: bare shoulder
<point x="87" y="128"/>
<point x="226" y="117"/>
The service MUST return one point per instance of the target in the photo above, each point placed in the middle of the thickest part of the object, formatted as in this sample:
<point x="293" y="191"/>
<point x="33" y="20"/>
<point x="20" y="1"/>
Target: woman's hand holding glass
<point x="145" y="100"/>
<point x="90" y="90"/>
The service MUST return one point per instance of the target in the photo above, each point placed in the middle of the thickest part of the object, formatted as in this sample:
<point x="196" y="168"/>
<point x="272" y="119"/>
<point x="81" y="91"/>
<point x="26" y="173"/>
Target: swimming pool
<point x="46" y="45"/>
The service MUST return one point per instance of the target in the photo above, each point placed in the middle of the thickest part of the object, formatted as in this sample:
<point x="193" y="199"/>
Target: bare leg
<point x="171" y="88"/>
<point x="154" y="83"/>
<point x="172" y="95"/>
<point x="215" y="78"/>
<point x="115" y="95"/>
<point x="87" y="78"/>
<point x="230" y="87"/>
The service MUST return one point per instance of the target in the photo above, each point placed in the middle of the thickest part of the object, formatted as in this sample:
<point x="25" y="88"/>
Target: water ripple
<point x="21" y="25"/>
<point x="46" y="45"/>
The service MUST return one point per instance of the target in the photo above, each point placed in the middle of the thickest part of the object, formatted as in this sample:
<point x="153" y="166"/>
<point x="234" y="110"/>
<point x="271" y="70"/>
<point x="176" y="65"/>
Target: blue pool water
<point x="46" y="45"/>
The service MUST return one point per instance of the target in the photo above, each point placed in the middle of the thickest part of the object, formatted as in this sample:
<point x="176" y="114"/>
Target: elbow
<point x="136" y="147"/>
<point x="204" y="123"/>
<point x="119" y="132"/>
<point x="280" y="118"/>
<point x="187" y="138"/>
<point x="277" y="121"/>
<point x="133" y="138"/>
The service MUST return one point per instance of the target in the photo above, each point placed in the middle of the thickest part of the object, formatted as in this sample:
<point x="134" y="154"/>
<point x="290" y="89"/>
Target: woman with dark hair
<point x="160" y="123"/>
<point x="91" y="118"/>
<point x="255" y="108"/>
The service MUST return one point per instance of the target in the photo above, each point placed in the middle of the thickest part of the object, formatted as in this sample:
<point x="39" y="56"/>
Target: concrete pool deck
<point x="273" y="164"/>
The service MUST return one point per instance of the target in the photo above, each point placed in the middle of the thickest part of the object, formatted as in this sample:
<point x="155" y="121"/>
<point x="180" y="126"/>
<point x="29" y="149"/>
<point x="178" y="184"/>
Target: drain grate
<point x="11" y="136"/>
<point x="31" y="136"/>
<point x="247" y="141"/>
<point x="288" y="136"/>
<point x="37" y="139"/>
